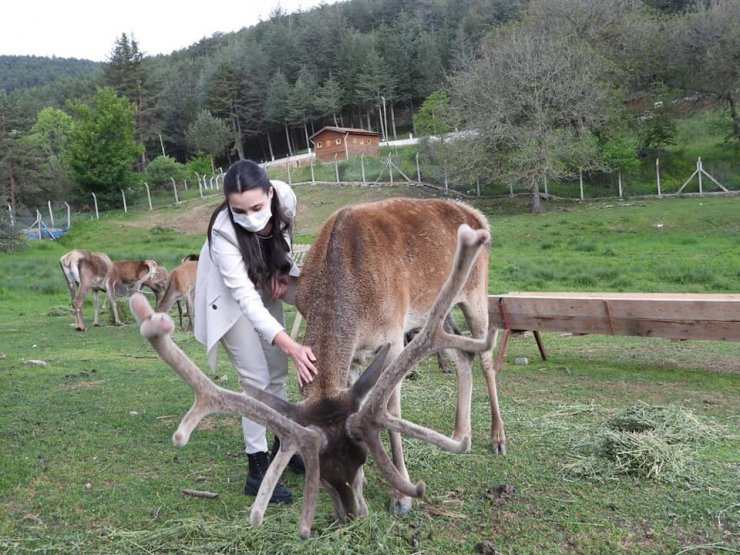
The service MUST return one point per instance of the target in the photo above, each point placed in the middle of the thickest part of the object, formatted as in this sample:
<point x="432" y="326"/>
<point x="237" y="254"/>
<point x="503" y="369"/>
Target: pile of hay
<point x="645" y="441"/>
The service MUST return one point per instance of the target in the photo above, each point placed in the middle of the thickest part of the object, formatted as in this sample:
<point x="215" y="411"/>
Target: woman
<point x="244" y="274"/>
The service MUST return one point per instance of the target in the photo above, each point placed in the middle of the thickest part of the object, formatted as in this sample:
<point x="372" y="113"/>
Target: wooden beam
<point x="668" y="315"/>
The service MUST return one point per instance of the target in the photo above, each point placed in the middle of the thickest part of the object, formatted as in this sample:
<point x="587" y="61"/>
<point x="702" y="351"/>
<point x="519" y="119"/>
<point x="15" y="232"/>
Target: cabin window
<point x="339" y="141"/>
<point x="318" y="144"/>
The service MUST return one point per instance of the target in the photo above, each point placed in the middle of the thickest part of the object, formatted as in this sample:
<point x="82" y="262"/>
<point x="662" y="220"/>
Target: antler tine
<point x="210" y="398"/>
<point x="366" y="423"/>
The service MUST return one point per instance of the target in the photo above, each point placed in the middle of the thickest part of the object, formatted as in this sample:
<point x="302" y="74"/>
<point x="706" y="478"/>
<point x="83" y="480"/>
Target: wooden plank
<point x="673" y="316"/>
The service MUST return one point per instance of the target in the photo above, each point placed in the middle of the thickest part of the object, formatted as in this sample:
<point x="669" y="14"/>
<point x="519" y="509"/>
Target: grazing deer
<point x="180" y="285"/>
<point x="373" y="272"/>
<point x="157" y="282"/>
<point x="84" y="271"/>
<point x="133" y="273"/>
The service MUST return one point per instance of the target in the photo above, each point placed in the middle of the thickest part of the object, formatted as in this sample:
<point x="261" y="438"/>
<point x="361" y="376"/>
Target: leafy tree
<point x="276" y="104"/>
<point x="208" y="134"/>
<point x="200" y="164"/>
<point x="49" y="136"/>
<point x="102" y="148"/>
<point x="302" y="101"/>
<point x="329" y="99"/>
<point x="534" y="100"/>
<point x="223" y="101"/>
<point x="375" y="82"/>
<point x="11" y="239"/>
<point x="436" y="116"/>
<point x="126" y="73"/>
<point x="17" y="161"/>
<point x="704" y="49"/>
<point x="163" y="168"/>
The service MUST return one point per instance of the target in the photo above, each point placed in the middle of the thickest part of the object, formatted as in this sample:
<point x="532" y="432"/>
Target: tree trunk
<point x="393" y="121"/>
<point x="238" y="138"/>
<point x="287" y="138"/>
<point x="13" y="193"/>
<point x="735" y="116"/>
<point x="536" y="199"/>
<point x="269" y="146"/>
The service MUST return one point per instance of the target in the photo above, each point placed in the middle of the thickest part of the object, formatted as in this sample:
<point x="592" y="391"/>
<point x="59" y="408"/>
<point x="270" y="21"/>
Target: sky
<point x="88" y="29"/>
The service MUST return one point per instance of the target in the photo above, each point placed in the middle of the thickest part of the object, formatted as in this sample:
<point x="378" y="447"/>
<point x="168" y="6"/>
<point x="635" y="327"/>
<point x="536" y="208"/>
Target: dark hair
<point x="263" y="256"/>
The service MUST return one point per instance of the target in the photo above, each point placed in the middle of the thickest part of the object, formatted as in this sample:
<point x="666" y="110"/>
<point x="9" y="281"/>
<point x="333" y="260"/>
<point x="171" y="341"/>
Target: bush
<point x="162" y="169"/>
<point x="10" y="238"/>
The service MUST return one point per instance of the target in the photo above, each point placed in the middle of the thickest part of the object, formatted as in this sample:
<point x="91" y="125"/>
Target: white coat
<point x="223" y="290"/>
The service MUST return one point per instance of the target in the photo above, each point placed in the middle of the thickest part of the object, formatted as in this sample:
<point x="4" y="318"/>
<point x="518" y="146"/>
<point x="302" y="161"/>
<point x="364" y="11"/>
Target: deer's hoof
<point x="498" y="448"/>
<point x="400" y="505"/>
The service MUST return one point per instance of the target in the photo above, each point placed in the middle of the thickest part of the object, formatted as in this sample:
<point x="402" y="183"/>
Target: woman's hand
<point x="279" y="285"/>
<point x="302" y="356"/>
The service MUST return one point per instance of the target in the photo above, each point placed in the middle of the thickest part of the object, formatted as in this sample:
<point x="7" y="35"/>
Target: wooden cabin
<point x="339" y="143"/>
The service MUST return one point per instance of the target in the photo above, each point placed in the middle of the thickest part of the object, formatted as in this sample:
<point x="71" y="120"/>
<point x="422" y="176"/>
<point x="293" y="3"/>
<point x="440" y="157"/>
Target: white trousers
<point x="262" y="365"/>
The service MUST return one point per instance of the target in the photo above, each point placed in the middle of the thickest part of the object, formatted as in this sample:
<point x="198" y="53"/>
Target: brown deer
<point x="180" y="285"/>
<point x="374" y="272"/>
<point x="133" y="273"/>
<point x="157" y="282"/>
<point x="84" y="271"/>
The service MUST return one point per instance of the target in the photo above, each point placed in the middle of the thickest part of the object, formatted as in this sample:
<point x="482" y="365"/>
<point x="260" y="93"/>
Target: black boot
<point x="296" y="461"/>
<point x="258" y="463"/>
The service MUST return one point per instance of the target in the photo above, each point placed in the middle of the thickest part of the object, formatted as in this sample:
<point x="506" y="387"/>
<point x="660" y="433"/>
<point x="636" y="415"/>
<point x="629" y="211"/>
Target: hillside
<point x="23" y="72"/>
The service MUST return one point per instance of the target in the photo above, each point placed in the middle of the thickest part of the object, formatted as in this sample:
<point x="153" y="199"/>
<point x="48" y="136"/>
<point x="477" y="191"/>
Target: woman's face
<point x="250" y="201"/>
<point x="251" y="210"/>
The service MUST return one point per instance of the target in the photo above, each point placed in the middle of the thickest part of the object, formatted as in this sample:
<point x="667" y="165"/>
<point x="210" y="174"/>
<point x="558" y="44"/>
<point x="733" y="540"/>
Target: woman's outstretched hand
<point x="302" y="356"/>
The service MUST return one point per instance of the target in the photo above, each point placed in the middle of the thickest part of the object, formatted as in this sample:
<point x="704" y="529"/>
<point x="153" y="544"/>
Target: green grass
<point x="87" y="464"/>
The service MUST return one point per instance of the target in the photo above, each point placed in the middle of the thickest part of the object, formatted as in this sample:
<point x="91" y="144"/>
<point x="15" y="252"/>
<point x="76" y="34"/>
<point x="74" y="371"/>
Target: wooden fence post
<point x="148" y="194"/>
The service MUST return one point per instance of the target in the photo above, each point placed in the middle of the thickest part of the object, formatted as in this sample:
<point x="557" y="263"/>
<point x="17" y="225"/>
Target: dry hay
<point x="644" y="441"/>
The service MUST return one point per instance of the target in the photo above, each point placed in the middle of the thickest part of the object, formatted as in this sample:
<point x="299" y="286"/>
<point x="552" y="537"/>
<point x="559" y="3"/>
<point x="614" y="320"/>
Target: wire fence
<point x="51" y="219"/>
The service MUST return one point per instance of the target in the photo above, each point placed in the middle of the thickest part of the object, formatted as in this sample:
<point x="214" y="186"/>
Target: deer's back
<point x="374" y="263"/>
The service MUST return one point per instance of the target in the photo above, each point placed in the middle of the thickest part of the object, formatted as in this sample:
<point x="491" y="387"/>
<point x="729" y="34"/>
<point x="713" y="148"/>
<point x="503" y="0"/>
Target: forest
<point x="547" y="89"/>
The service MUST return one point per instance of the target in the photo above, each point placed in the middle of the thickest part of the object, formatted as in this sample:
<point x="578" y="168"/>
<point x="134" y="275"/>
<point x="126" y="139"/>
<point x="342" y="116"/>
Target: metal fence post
<point x="69" y="215"/>
<point x="95" y="201"/>
<point x="657" y="174"/>
<point x="51" y="214"/>
<point x="125" y="208"/>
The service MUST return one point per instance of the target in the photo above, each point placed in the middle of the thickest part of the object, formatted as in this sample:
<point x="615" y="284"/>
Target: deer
<point x="180" y="285"/>
<point x="84" y="271"/>
<point x="374" y="272"/>
<point x="157" y="282"/>
<point x="133" y="273"/>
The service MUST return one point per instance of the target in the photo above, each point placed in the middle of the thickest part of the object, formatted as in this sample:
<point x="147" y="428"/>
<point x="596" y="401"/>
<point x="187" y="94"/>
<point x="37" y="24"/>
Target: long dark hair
<point x="263" y="256"/>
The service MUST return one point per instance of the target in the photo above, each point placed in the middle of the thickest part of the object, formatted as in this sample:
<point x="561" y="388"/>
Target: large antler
<point x="366" y="423"/>
<point x="210" y="398"/>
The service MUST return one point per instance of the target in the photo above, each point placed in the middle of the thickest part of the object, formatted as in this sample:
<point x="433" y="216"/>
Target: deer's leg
<point x="464" y="367"/>
<point x="477" y="317"/>
<point x="110" y="293"/>
<point x="400" y="503"/>
<point x="77" y="303"/>
<point x="191" y="310"/>
<point x="96" y="306"/>
<point x="357" y="486"/>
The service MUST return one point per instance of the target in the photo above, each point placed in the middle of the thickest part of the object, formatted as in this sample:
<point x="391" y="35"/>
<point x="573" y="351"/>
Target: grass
<point x="87" y="464"/>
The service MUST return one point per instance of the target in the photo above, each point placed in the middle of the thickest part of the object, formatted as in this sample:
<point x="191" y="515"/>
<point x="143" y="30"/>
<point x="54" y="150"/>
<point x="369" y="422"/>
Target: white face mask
<point x="254" y="222"/>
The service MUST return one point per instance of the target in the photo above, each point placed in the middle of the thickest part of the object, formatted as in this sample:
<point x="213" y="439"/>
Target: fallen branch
<point x="199" y="493"/>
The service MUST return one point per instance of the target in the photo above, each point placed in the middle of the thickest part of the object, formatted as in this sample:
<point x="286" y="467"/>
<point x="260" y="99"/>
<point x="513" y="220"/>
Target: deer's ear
<point x="367" y="380"/>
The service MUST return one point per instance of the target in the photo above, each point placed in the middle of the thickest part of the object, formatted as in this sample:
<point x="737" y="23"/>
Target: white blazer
<point x="223" y="290"/>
